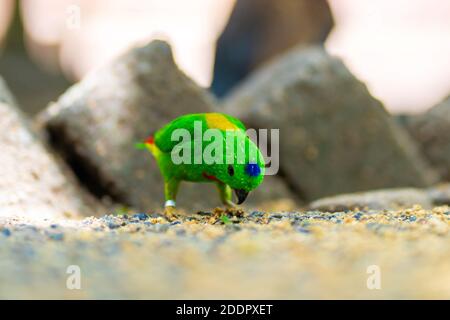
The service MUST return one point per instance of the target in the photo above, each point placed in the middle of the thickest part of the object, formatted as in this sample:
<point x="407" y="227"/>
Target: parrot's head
<point x="244" y="172"/>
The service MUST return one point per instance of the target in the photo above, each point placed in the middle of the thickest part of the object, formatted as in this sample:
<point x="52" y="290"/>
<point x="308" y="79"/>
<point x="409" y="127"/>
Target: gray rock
<point x="440" y="194"/>
<point x="387" y="199"/>
<point x="32" y="182"/>
<point x="431" y="130"/>
<point x="334" y="137"/>
<point x="5" y="95"/>
<point x="258" y="30"/>
<point x="97" y="122"/>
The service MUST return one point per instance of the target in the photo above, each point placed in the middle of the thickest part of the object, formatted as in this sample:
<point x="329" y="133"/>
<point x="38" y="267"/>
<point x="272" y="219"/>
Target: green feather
<point x="164" y="149"/>
<point x="140" y="145"/>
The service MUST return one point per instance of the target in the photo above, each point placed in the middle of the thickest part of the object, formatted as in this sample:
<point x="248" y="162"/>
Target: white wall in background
<point x="400" y="48"/>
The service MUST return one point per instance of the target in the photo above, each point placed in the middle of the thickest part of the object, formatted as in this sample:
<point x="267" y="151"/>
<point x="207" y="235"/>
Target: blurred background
<point x="308" y="231"/>
<point x="400" y="49"/>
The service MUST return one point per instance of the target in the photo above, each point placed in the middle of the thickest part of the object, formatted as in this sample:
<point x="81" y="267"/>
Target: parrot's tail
<point x="149" y="144"/>
<point x="152" y="147"/>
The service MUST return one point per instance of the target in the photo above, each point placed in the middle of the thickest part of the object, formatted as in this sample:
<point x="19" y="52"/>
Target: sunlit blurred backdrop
<point x="400" y="48"/>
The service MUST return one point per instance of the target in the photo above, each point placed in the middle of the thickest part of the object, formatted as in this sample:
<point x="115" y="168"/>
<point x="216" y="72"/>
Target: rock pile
<point x="334" y="136"/>
<point x="33" y="182"/>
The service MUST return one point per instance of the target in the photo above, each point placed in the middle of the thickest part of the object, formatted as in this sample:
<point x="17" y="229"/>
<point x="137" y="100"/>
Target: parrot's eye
<point x="230" y="170"/>
<point x="252" y="169"/>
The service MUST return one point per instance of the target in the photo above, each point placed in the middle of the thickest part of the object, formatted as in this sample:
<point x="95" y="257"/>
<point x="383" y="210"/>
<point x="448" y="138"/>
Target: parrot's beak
<point x="241" y="195"/>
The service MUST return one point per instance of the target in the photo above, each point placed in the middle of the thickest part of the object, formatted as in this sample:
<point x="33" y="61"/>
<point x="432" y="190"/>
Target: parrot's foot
<point x="170" y="211"/>
<point x="229" y="204"/>
<point x="235" y="211"/>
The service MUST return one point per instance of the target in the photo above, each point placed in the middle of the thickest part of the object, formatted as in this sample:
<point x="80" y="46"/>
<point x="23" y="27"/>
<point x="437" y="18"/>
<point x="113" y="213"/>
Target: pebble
<point x="113" y="225"/>
<point x="256" y="214"/>
<point x="276" y="216"/>
<point x="140" y="216"/>
<point x="358" y="216"/>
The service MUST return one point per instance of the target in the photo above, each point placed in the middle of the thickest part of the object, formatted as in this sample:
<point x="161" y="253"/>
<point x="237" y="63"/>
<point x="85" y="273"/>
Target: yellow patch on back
<point x="219" y="121"/>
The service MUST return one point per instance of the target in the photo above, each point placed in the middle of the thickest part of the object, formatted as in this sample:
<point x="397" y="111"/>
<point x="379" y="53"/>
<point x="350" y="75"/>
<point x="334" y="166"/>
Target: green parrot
<point x="187" y="150"/>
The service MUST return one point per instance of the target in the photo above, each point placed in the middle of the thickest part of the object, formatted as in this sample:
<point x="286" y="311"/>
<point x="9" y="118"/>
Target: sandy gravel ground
<point x="287" y="255"/>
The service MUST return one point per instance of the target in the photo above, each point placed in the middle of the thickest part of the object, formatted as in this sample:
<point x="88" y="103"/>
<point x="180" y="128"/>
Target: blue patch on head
<point x="252" y="169"/>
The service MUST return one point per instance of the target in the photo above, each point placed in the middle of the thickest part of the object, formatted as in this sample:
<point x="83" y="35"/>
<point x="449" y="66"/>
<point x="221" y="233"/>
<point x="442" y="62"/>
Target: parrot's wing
<point x="168" y="137"/>
<point x="236" y="122"/>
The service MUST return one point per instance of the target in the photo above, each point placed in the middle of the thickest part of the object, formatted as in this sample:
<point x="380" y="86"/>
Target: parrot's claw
<point x="229" y="204"/>
<point x="171" y="213"/>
